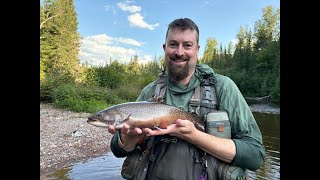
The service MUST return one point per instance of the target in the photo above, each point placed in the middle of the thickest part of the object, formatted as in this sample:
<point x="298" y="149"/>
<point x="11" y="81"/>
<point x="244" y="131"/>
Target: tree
<point x="134" y="67"/>
<point x="61" y="40"/>
<point x="268" y="28"/>
<point x="210" y="51"/>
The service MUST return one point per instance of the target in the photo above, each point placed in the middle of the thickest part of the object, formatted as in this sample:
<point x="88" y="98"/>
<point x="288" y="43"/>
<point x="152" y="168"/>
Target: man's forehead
<point x="192" y="34"/>
<point x="177" y="29"/>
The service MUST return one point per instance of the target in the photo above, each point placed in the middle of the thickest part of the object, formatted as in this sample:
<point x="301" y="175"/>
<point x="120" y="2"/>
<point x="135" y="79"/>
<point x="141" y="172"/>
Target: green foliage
<point x="84" y="99"/>
<point x="42" y="70"/>
<point x="267" y="29"/>
<point x="46" y="88"/>
<point x="59" y="39"/>
<point x="90" y="77"/>
<point x="128" y="92"/>
<point x="275" y="94"/>
<point x="255" y="64"/>
<point x="210" y="51"/>
<point x="111" y="76"/>
<point x="48" y="85"/>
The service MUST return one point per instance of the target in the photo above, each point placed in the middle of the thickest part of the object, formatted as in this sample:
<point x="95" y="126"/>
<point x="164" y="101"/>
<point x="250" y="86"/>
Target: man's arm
<point x="245" y="132"/>
<point x="221" y="148"/>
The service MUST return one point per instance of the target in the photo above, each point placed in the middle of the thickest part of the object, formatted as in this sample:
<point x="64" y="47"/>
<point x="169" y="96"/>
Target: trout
<point x="142" y="115"/>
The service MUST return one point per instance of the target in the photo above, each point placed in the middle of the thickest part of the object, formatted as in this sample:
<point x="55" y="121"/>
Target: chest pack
<point x="191" y="162"/>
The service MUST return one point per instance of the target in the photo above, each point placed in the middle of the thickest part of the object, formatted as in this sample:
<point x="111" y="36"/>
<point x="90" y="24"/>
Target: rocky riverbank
<point x="66" y="137"/>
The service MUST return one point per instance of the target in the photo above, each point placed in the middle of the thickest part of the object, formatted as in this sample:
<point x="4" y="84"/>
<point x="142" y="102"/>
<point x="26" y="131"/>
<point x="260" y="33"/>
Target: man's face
<point x="181" y="50"/>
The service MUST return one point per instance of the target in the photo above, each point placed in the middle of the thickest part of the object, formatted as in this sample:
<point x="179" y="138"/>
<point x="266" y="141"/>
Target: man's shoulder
<point x="223" y="81"/>
<point x="147" y="91"/>
<point x="150" y="86"/>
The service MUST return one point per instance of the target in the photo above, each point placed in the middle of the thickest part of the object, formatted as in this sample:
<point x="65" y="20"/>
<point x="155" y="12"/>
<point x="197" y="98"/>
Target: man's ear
<point x="164" y="47"/>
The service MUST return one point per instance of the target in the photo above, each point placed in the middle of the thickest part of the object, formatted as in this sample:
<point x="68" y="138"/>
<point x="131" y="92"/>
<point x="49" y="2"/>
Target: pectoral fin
<point x="163" y="125"/>
<point x="126" y="119"/>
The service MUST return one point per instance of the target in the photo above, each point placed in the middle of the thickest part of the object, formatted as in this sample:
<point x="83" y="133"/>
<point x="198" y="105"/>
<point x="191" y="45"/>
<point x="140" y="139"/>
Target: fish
<point x="143" y="114"/>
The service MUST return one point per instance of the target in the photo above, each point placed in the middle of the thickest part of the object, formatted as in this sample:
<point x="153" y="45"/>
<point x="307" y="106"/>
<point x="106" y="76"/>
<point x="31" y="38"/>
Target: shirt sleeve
<point x="115" y="147"/>
<point x="245" y="133"/>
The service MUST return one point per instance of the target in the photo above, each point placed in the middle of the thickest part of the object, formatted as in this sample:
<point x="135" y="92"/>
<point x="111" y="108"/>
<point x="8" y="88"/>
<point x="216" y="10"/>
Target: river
<point x="107" y="167"/>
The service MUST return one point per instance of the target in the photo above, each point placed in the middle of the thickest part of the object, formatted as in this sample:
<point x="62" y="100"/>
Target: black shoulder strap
<point x="161" y="88"/>
<point x="204" y="97"/>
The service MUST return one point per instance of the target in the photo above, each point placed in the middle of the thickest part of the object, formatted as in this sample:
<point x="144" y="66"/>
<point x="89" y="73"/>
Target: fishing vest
<point x="154" y="163"/>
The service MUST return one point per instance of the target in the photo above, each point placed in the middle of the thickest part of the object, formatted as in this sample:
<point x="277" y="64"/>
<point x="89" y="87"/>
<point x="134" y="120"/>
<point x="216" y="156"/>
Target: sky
<point x="121" y="29"/>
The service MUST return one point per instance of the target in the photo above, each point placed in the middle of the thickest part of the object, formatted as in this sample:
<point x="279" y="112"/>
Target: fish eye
<point x="99" y="114"/>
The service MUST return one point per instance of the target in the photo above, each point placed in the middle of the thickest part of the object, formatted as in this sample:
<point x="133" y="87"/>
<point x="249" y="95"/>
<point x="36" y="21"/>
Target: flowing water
<point x="107" y="167"/>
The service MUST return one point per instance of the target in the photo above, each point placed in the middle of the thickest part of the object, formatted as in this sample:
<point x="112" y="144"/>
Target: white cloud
<point x="98" y="49"/>
<point x="128" y="41"/>
<point x="136" y="20"/>
<point x="234" y="42"/>
<point x="124" y="6"/>
<point x="145" y="58"/>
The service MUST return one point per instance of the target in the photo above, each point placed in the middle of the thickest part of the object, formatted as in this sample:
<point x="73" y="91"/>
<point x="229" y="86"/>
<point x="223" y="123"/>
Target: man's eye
<point x="172" y="44"/>
<point x="188" y="45"/>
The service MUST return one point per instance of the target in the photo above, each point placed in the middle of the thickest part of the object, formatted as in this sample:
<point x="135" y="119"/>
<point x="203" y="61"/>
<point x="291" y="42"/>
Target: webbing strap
<point x="161" y="88"/>
<point x="204" y="98"/>
<point x="194" y="104"/>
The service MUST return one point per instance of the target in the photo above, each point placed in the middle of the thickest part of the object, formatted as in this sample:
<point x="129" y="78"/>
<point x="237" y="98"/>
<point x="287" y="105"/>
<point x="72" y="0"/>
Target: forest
<point x="253" y="63"/>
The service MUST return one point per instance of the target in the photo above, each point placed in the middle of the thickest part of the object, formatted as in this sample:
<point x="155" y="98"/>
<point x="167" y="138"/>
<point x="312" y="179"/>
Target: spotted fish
<point x="143" y="115"/>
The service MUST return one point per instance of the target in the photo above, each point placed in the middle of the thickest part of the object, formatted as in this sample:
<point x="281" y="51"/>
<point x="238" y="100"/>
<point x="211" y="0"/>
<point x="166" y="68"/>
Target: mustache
<point x="175" y="57"/>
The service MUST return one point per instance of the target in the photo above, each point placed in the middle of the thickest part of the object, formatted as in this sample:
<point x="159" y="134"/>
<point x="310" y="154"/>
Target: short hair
<point x="183" y="24"/>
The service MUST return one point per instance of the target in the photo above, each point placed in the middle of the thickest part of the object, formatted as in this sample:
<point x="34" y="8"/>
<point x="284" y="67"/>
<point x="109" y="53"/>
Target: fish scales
<point x="142" y="114"/>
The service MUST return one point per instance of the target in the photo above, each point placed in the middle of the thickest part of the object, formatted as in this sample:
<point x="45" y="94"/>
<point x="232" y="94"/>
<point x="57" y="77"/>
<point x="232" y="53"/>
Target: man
<point x="245" y="148"/>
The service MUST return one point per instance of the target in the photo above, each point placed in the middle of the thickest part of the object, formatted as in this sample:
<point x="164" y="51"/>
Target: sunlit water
<point x="101" y="168"/>
<point x="107" y="167"/>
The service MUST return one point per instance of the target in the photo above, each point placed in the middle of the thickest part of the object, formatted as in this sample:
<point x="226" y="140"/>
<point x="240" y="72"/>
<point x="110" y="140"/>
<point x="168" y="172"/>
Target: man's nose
<point x="179" y="51"/>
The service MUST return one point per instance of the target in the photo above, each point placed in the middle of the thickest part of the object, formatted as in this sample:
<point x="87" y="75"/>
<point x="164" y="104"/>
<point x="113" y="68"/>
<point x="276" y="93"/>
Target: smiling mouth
<point x="179" y="60"/>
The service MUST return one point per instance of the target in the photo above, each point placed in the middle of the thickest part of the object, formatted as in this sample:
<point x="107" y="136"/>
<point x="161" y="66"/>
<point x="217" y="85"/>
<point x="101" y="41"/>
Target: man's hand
<point x="128" y="137"/>
<point x="183" y="129"/>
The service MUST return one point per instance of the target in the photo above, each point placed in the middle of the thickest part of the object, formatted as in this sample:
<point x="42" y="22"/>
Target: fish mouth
<point x="98" y="122"/>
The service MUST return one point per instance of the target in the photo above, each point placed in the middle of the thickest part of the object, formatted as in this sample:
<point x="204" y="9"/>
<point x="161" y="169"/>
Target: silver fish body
<point x="143" y="115"/>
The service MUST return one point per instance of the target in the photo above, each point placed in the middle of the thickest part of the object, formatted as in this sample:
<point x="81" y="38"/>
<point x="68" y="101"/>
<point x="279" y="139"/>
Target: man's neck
<point x="184" y="81"/>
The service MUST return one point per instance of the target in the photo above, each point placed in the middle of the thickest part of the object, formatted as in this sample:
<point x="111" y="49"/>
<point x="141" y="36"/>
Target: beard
<point x="175" y="71"/>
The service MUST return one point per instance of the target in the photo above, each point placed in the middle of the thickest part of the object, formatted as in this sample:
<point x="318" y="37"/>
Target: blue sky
<point x="121" y="29"/>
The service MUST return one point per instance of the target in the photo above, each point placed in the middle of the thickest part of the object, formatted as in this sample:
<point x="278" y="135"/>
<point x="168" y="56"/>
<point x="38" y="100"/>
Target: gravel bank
<point x="66" y="137"/>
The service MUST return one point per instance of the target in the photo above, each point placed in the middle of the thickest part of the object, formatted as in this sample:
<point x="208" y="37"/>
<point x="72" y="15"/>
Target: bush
<point x="84" y="99"/>
<point x="128" y="92"/>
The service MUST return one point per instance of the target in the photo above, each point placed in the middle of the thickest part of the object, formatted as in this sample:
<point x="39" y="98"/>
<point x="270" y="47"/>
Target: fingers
<point x="181" y="123"/>
<point x="111" y="129"/>
<point x="149" y="132"/>
<point x="180" y="126"/>
<point x="127" y="130"/>
<point x="184" y="123"/>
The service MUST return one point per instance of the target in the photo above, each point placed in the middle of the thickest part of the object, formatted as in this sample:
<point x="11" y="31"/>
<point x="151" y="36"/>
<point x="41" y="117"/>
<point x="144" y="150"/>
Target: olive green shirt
<point x="245" y="132"/>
